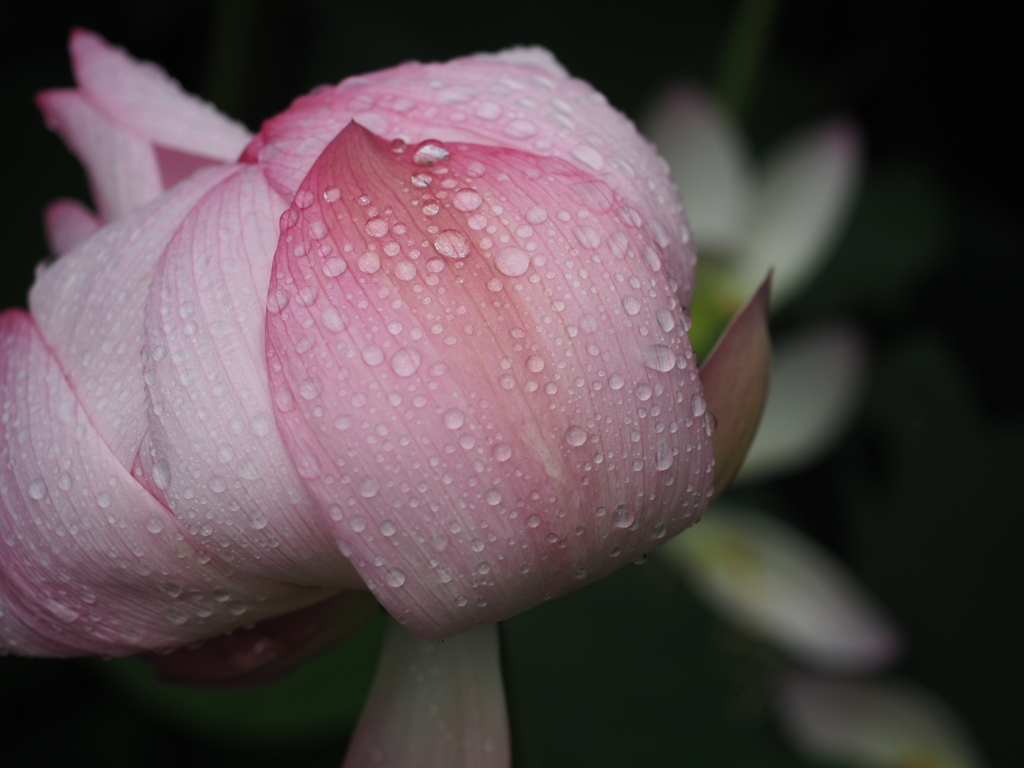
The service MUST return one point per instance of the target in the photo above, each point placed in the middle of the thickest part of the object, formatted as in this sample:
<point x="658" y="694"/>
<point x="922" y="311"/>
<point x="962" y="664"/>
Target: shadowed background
<point x="919" y="498"/>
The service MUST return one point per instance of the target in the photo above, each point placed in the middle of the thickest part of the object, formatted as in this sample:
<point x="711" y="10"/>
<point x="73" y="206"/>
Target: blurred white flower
<point x="745" y="220"/>
<point x="771" y="580"/>
<point x="873" y="724"/>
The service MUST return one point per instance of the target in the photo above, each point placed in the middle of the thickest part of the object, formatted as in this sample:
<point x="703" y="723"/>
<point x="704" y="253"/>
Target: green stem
<point x="743" y="53"/>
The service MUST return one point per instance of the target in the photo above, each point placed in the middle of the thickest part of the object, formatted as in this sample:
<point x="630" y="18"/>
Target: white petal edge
<point x="709" y="162"/>
<point x="817" y="379"/>
<point x="435" y="704"/>
<point x="801" y="203"/>
<point x="873" y="724"/>
<point x="529" y="56"/>
<point x="773" y="582"/>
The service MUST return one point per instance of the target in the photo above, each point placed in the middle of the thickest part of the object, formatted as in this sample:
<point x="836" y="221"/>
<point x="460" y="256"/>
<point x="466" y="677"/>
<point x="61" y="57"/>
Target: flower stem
<point x="743" y="53"/>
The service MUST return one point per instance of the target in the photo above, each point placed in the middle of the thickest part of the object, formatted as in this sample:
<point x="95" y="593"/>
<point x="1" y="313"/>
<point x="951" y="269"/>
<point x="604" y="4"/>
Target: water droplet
<point x="334" y="266"/>
<point x="698" y="405"/>
<point x="575" y="435"/>
<point x="430" y="152"/>
<point x="422" y="180"/>
<point x="581" y="573"/>
<point x="587" y="237"/>
<point x="154" y="525"/>
<point x="369" y="263"/>
<point x="368" y="488"/>
<point x="641" y="560"/>
<point x="260" y="425"/>
<point x="663" y="457"/>
<point x="492" y="497"/>
<point x="64" y="481"/>
<point x="512" y="261"/>
<point x="533" y="521"/>
<point x="332" y="194"/>
<point x="520" y="129"/>
<point x="588" y="156"/>
<point x="405" y="362"/>
<point x="454" y="418"/>
<point x="358" y="523"/>
<point x="376" y="227"/>
<point x="658" y="532"/>
<point x="304" y="198"/>
<point x="659" y="357"/>
<point x="502" y="452"/>
<point x="535" y="363"/>
<point x="257" y="520"/>
<point x="162" y="474"/>
<point x="372" y="355"/>
<point x="452" y="243"/>
<point x="461" y="600"/>
<point x="103" y="499"/>
<point x="643" y="392"/>
<point x="175" y="616"/>
<point x="394" y="578"/>
<point x="651" y="258"/>
<point x="37" y="489"/>
<point x="710" y="423"/>
<point x="623" y="517"/>
<point x="631" y="305"/>
<point x="665" y="320"/>
<point x="405" y="270"/>
<point x="467" y="200"/>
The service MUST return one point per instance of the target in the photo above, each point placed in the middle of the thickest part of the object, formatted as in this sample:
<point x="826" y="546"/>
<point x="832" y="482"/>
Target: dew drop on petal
<point x="405" y="362"/>
<point x="454" y="418"/>
<point x="394" y="578"/>
<point x="665" y="320"/>
<point x="334" y="266"/>
<point x="430" y="152"/>
<point x="576" y="436"/>
<point x="467" y="200"/>
<point x="452" y="244"/>
<point x="502" y="452"/>
<point x="512" y="261"/>
<point x="332" y="194"/>
<point x="37" y="489"/>
<point x="369" y="262"/>
<point x="697" y="405"/>
<point x="659" y="357"/>
<point x="372" y="355"/>
<point x="631" y="305"/>
<point x="368" y="488"/>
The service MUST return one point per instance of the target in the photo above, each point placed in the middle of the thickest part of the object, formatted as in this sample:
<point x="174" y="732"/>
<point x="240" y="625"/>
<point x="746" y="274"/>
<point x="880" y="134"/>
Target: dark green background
<point x="920" y="499"/>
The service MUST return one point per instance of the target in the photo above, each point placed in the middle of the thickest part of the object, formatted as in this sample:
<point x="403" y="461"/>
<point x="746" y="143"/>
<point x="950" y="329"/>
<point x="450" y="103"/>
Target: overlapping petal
<point x="874" y="724"/>
<point x="481" y="369"/>
<point x="68" y="222"/>
<point x="122" y="167"/>
<point x="92" y="563"/>
<point x="772" y="581"/>
<point x="435" y="704"/>
<point x="141" y="98"/>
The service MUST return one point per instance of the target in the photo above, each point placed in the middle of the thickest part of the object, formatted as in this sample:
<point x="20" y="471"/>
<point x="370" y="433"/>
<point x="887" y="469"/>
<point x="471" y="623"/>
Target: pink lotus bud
<point x="427" y="335"/>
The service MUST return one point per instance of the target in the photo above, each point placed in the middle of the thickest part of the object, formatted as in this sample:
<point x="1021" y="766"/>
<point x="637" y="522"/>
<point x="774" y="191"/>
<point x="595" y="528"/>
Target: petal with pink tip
<point x="514" y="99"/>
<point x="91" y="563"/>
<point x="211" y="432"/>
<point x="269" y="650"/>
<point x="141" y="97"/>
<point x="485" y="378"/>
<point x="709" y="162"/>
<point x="817" y="378"/>
<point x="735" y="376"/>
<point x="122" y="167"/>
<point x="802" y="201"/>
<point x="773" y="582"/>
<point x="874" y="724"/>
<point x="90" y="306"/>
<point x="435" y="704"/>
<point x="68" y="223"/>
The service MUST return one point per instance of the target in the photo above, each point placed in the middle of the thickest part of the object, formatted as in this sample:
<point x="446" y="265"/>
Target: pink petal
<point x="121" y="166"/>
<point x="141" y="97"/>
<point x="435" y="704"/>
<point x="735" y="376"/>
<point x="269" y="650"/>
<point x="484" y="381"/>
<point x="90" y="311"/>
<point x="211" y="426"/>
<point x="519" y="98"/>
<point x="92" y="563"/>
<point x="68" y="222"/>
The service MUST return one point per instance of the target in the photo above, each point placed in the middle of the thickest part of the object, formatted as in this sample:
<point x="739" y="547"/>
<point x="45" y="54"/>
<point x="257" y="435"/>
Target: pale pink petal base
<point x="435" y="705"/>
<point x="480" y="367"/>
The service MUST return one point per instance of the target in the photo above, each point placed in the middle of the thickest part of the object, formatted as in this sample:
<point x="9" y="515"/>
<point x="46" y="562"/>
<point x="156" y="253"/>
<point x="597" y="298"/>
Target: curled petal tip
<point x="735" y="378"/>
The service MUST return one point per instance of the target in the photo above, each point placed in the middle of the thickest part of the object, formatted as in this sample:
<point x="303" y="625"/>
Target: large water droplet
<point x="575" y="436"/>
<point x="454" y="418"/>
<point x="405" y="362"/>
<point x="388" y="528"/>
<point x="697" y="405"/>
<point x="467" y="200"/>
<point x="631" y="305"/>
<point x="430" y="152"/>
<point x="452" y="243"/>
<point x="502" y="452"/>
<point x="659" y="357"/>
<point x="663" y="457"/>
<point x="154" y="525"/>
<point x="334" y="266"/>
<point x="394" y="578"/>
<point x="512" y="261"/>
<point x="535" y="363"/>
<point x="368" y="488"/>
<point x="665" y="320"/>
<point x="162" y="474"/>
<point x="369" y="263"/>
<point x="372" y="355"/>
<point x="37" y="489"/>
